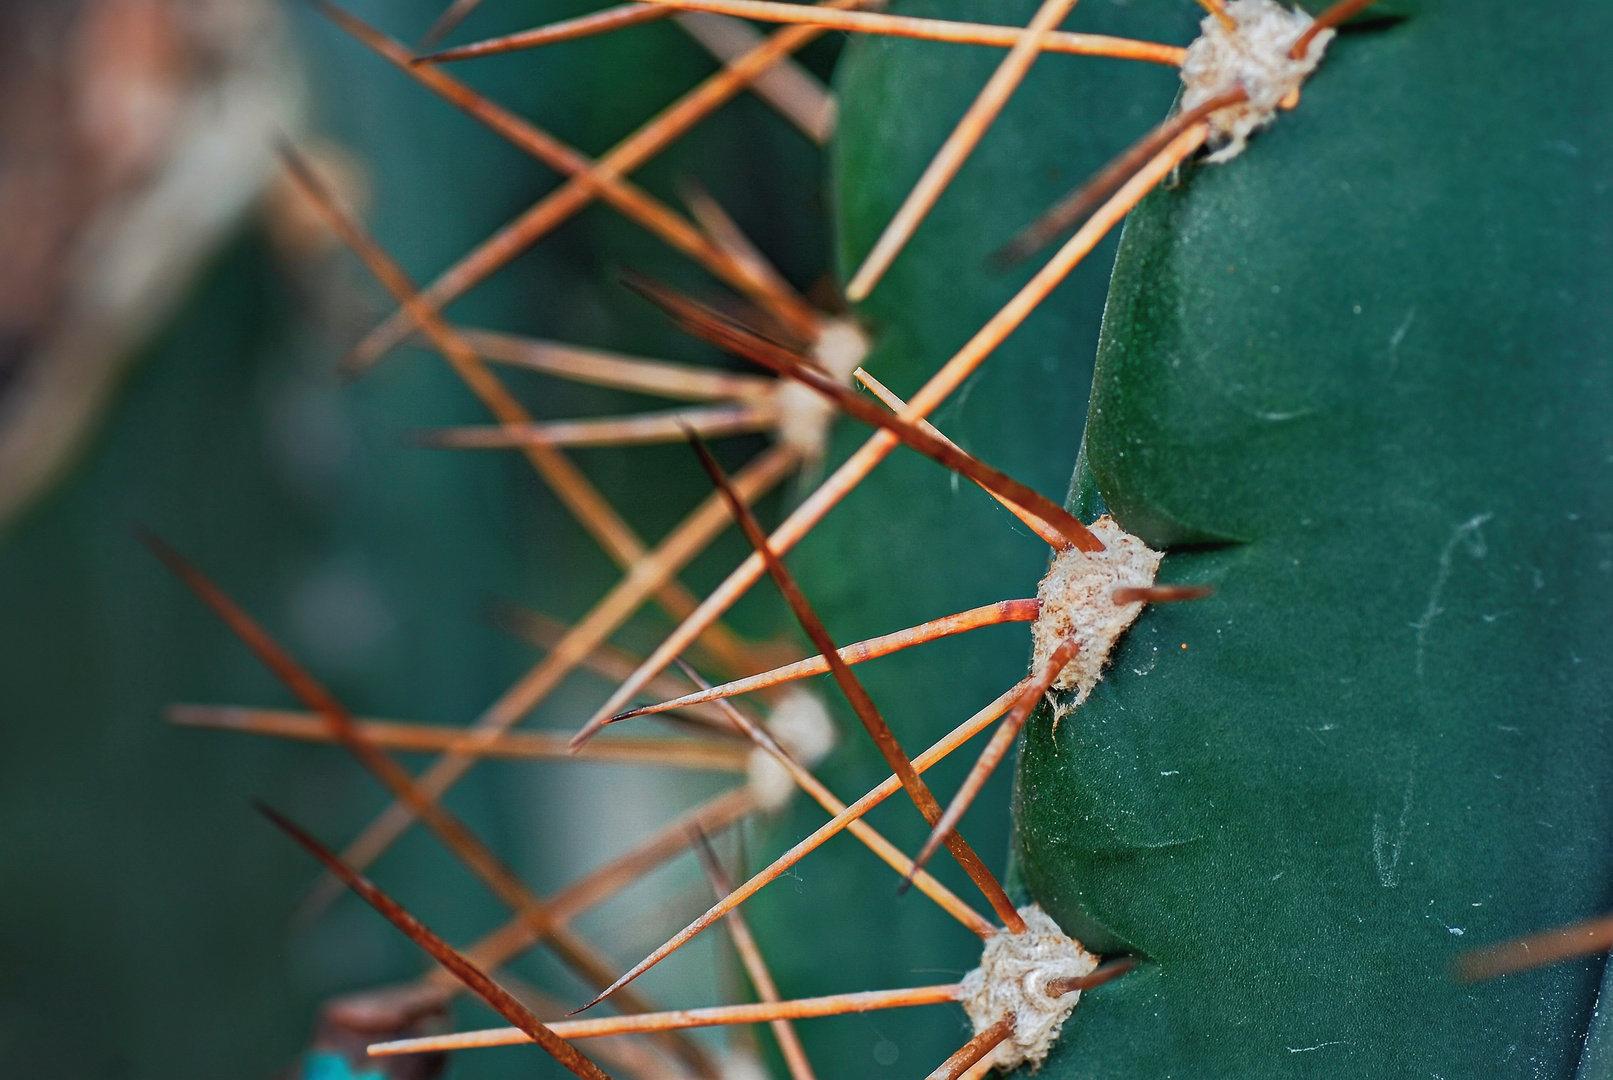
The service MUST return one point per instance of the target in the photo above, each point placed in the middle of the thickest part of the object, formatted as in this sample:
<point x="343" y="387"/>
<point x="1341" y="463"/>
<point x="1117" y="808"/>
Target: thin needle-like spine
<point x="1068" y="211"/>
<point x="1003" y="611"/>
<point x="531" y="1028"/>
<point x="585" y="502"/>
<point x="606" y="21"/>
<point x="1584" y="938"/>
<point x="883" y="848"/>
<point x="1219" y="10"/>
<point x="956" y="150"/>
<point x="760" y="1013"/>
<point x="1159" y="594"/>
<point x="590" y="632"/>
<point x="861" y="703"/>
<point x="1339" y="13"/>
<point x="724" y="755"/>
<point x="649" y="573"/>
<point x="607" y="661"/>
<point x="588" y="180"/>
<point x="640" y="429"/>
<point x="597" y="367"/>
<point x="1048" y="534"/>
<point x="1107" y="971"/>
<point x="454" y="14"/>
<point x="720" y="330"/>
<point x="891" y="785"/>
<point x="727" y="235"/>
<point x="750" y="955"/>
<point x="794" y="92"/>
<point x="600" y="884"/>
<point x="455" y="835"/>
<point x="995" y="750"/>
<point x="856" y="22"/>
<point x="940" y="386"/>
<point x="975" y="1050"/>
<point x="560" y="205"/>
<point x="980" y="1069"/>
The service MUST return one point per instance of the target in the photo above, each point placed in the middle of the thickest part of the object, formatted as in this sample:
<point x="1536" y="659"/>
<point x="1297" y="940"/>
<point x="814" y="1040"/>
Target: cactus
<point x="1280" y="800"/>
<point x="1323" y="388"/>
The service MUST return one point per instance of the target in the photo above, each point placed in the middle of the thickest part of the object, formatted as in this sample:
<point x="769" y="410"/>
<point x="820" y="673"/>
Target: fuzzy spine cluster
<point x="1077" y="601"/>
<point x="1013" y="977"/>
<point x="1254" y="55"/>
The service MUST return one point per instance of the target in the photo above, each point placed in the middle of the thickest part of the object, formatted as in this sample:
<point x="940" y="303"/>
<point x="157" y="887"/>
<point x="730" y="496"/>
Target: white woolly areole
<point x="805" y="414"/>
<point x="1077" y="601"/>
<point x="1255" y="56"/>
<point x="1012" y="978"/>
<point x="741" y="1065"/>
<point x="802" y="725"/>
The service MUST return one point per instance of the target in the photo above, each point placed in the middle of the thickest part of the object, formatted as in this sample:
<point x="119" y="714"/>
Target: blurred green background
<point x="145" y="910"/>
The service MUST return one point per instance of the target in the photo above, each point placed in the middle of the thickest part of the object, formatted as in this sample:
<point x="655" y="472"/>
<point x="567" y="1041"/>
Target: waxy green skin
<point x="912" y="543"/>
<point x="1359" y="380"/>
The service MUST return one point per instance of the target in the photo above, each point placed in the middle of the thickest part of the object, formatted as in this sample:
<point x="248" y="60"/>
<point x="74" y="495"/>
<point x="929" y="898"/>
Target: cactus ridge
<point x="1250" y="60"/>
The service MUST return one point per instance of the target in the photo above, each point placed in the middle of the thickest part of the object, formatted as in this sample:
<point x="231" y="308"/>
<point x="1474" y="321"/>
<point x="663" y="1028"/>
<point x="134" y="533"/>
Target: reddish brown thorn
<point x="313" y="694"/>
<point x="1050" y="536"/>
<point x="856" y="694"/>
<point x="600" y="884"/>
<point x="455" y="835"/>
<point x="1075" y="207"/>
<point x="724" y="332"/>
<point x="994" y="752"/>
<point x="1160" y="594"/>
<point x="465" y="971"/>
<point x="946" y="381"/>
<point x="981" y="1069"/>
<point x="1003" y="611"/>
<point x="841" y="821"/>
<point x="599" y="22"/>
<point x="1339" y="13"/>
<point x="959" y="145"/>
<point x="794" y="92"/>
<point x="1584" y="938"/>
<point x="456" y="13"/>
<point x="587" y="180"/>
<point x="769" y="287"/>
<point x="606" y="660"/>
<point x="762" y="1012"/>
<point x="1109" y="969"/>
<point x="974" y="1050"/>
<point x="888" y="852"/>
<point x="650" y="573"/>
<point x="266" y="649"/>
<point x="750" y="954"/>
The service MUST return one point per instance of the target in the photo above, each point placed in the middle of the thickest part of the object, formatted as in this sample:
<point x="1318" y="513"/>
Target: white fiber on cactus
<point x="1077" y="601"/>
<point x="805" y="414"/>
<point x="1254" y="55"/>
<point x="1013" y="976"/>
<point x="802" y="725"/>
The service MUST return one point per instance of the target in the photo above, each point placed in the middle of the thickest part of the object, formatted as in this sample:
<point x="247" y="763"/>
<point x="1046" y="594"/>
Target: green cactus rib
<point x="908" y="545"/>
<point x="1359" y="379"/>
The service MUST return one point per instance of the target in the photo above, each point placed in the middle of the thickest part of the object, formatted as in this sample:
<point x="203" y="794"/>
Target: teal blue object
<point x="329" y="1065"/>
